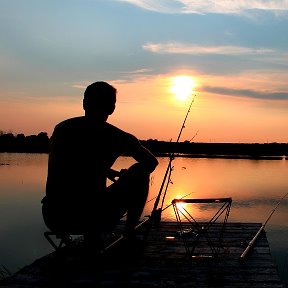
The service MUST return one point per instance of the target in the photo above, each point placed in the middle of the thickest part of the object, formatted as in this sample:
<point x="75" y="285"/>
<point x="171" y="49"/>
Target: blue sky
<point x="236" y="50"/>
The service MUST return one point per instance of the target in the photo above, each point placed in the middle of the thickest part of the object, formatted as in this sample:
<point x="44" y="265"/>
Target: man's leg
<point x="129" y="194"/>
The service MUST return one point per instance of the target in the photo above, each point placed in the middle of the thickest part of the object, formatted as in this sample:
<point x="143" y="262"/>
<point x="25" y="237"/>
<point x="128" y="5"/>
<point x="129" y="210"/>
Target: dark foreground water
<point x="256" y="186"/>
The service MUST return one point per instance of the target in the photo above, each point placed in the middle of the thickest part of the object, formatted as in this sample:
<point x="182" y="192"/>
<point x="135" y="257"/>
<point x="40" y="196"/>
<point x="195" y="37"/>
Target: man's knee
<point x="136" y="178"/>
<point x="138" y="170"/>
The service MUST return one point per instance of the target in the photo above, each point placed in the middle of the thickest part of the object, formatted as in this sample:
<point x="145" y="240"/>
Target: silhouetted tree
<point x="21" y="143"/>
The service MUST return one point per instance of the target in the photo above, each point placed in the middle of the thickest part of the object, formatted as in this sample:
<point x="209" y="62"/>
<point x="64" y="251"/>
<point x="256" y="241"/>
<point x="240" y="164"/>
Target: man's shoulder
<point x="69" y="122"/>
<point x="68" y="127"/>
<point x="117" y="132"/>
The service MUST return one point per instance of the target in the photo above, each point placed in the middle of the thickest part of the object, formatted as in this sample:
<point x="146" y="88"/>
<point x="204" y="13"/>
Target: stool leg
<point x="64" y="239"/>
<point x="47" y="235"/>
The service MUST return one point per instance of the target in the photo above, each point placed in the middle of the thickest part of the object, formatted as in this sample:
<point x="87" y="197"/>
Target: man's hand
<point x="113" y="174"/>
<point x="122" y="172"/>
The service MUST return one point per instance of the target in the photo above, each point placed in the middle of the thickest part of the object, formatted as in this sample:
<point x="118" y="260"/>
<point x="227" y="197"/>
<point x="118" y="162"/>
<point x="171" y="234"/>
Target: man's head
<point x="99" y="99"/>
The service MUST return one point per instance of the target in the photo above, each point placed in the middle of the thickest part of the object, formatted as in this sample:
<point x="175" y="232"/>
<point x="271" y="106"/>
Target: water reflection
<point x="254" y="185"/>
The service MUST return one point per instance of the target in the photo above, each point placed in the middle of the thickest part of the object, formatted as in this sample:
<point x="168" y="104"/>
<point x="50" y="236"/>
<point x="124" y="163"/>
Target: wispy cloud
<point x="180" y="48"/>
<point x="79" y="86"/>
<point x="140" y="71"/>
<point x="162" y="6"/>
<point x="268" y="95"/>
<point x="210" y="6"/>
<point x="232" y="7"/>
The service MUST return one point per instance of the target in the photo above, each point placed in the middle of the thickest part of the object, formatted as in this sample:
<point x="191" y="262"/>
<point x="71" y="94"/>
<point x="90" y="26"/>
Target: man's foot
<point x="133" y="243"/>
<point x="93" y="241"/>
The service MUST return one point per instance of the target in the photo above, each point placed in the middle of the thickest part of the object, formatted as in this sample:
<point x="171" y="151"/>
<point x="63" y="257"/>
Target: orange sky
<point x="148" y="109"/>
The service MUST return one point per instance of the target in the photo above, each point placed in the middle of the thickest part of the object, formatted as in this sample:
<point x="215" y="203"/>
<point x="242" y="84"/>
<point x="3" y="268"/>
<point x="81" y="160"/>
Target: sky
<point x="230" y="58"/>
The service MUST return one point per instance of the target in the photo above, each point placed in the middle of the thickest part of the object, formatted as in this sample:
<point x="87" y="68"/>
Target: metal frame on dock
<point x="191" y="230"/>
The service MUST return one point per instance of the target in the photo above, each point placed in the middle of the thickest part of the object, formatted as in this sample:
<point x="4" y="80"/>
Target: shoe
<point x="133" y="243"/>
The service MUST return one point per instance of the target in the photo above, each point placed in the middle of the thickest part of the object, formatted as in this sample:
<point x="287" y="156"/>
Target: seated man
<point x="82" y="152"/>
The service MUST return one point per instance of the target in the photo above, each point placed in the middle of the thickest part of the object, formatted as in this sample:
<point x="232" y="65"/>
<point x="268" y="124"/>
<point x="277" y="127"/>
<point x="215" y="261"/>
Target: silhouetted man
<point x="82" y="152"/>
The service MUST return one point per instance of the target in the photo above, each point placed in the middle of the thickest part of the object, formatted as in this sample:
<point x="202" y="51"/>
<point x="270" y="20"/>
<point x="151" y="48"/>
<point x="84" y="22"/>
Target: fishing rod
<point x="155" y="216"/>
<point x="156" y="212"/>
<point x="251" y="243"/>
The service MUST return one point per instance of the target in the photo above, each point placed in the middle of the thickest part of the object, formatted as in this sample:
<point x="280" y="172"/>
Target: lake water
<point x="256" y="186"/>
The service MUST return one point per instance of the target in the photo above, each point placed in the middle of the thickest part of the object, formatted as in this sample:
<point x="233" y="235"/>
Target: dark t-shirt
<point x="81" y="154"/>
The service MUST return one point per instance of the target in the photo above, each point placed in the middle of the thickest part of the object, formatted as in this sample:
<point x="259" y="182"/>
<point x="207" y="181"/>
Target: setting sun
<point x="182" y="86"/>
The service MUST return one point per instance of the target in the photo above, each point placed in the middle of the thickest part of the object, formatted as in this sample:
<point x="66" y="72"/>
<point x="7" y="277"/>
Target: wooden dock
<point x="162" y="262"/>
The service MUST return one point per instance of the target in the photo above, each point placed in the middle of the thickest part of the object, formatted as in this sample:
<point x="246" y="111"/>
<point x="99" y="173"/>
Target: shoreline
<point x="184" y="155"/>
<point x="249" y="157"/>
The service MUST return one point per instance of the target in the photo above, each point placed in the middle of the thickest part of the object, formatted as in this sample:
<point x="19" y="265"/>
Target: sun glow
<point x="182" y="87"/>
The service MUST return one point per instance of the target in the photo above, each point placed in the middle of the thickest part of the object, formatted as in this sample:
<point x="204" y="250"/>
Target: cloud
<point x="209" y="6"/>
<point x="232" y="7"/>
<point x="162" y="6"/>
<point x="79" y="86"/>
<point x="140" y="71"/>
<point x="180" y="48"/>
<point x="269" y="95"/>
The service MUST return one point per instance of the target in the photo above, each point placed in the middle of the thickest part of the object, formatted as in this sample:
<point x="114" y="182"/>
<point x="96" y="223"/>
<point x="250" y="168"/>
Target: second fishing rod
<point x="155" y="217"/>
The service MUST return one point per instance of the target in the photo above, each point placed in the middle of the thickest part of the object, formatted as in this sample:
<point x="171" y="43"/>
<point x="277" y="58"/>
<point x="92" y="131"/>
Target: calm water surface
<point x="254" y="185"/>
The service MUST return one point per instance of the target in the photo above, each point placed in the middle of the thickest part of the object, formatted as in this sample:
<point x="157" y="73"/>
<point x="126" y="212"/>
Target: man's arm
<point x="144" y="157"/>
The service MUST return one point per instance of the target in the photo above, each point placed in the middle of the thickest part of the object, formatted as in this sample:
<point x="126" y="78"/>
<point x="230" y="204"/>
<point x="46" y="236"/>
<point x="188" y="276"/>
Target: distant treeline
<point x="21" y="143"/>
<point x="250" y="150"/>
<point x="40" y="144"/>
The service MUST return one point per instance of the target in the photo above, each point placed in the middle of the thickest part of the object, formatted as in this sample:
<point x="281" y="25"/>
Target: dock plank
<point x="160" y="263"/>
